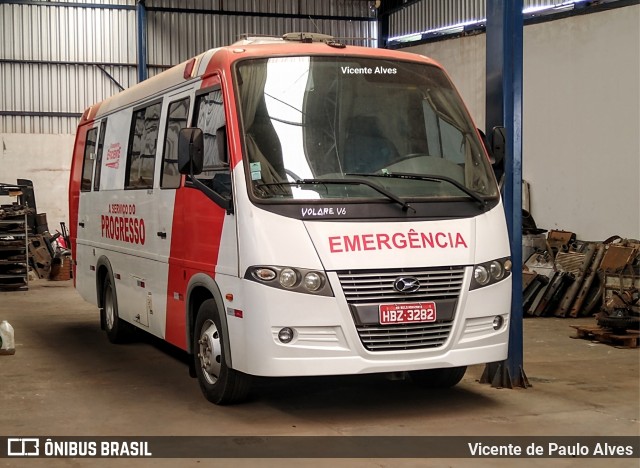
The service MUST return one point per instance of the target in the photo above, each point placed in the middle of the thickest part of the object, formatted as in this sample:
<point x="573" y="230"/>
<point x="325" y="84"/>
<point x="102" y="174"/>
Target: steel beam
<point x="141" y="30"/>
<point x="504" y="108"/>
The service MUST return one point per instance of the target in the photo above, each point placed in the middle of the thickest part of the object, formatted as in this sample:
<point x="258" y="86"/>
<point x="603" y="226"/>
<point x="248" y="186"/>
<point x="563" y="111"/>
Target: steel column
<point x="141" y="30"/>
<point x="504" y="108"/>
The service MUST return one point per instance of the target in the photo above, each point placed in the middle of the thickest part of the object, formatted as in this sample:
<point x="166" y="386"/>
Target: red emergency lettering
<point x="368" y="242"/>
<point x="334" y="244"/>
<point x="383" y="239"/>
<point x="460" y="241"/>
<point x="398" y="240"/>
<point x="414" y="239"/>
<point x="441" y="243"/>
<point x="352" y="243"/>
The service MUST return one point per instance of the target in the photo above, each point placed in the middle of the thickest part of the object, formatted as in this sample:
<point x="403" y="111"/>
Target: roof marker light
<point x="188" y="69"/>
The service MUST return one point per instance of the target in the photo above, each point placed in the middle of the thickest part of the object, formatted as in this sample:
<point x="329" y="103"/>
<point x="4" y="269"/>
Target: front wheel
<point x="219" y="384"/>
<point x="438" y="378"/>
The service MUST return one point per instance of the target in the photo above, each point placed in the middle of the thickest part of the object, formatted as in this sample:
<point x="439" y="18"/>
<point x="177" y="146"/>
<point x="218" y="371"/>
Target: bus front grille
<point x="369" y="288"/>
<point x="404" y="337"/>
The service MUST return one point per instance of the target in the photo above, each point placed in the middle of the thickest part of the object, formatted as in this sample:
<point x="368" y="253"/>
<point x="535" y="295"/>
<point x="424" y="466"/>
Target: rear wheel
<point x="118" y="331"/>
<point x="219" y="384"/>
<point x="438" y="378"/>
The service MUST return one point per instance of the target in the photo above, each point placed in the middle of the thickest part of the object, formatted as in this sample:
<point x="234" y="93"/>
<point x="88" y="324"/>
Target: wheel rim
<point x="109" y="310"/>
<point x="210" y="351"/>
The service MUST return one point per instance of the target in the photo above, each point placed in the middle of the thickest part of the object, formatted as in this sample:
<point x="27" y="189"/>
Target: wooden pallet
<point x="628" y="340"/>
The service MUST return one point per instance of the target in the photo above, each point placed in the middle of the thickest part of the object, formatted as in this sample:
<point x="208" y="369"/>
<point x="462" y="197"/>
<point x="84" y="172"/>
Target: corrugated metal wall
<point x="432" y="14"/>
<point x="216" y="30"/>
<point x="426" y="15"/>
<point x="55" y="58"/>
<point x="47" y="63"/>
<point x="355" y="8"/>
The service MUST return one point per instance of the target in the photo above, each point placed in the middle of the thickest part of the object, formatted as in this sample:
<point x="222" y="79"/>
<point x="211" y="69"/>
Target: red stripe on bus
<point x="195" y="239"/>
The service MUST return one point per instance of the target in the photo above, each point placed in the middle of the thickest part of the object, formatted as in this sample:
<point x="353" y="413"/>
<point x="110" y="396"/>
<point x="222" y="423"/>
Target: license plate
<point x="416" y="312"/>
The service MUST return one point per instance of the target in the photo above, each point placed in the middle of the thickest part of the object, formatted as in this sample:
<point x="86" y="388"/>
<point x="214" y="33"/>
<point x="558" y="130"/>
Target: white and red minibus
<point x="293" y="207"/>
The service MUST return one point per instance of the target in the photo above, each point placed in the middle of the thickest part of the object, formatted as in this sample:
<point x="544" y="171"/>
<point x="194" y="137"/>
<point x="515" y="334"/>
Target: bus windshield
<point x="398" y="125"/>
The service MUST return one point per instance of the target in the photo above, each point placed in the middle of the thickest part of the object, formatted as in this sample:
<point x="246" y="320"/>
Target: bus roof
<point x="249" y="47"/>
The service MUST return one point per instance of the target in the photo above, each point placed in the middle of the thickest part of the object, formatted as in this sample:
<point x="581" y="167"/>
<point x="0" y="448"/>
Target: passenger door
<point x="176" y="110"/>
<point x="209" y="115"/>
<point x="204" y="238"/>
<point x="136" y="219"/>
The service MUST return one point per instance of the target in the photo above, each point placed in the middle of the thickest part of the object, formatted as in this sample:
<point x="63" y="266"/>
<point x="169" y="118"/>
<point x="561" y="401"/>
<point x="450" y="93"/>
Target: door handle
<point x="162" y="234"/>
<point x="81" y="224"/>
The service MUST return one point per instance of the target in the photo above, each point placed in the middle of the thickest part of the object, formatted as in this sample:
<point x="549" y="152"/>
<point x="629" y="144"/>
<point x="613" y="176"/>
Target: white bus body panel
<point x="140" y="266"/>
<point x="326" y="340"/>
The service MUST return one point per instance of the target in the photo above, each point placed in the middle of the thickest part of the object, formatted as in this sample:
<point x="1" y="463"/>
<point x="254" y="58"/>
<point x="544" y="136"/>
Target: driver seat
<point x="366" y="149"/>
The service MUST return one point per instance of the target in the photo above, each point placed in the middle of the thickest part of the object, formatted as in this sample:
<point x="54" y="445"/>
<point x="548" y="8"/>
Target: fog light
<point x="481" y="275"/>
<point x="285" y="335"/>
<point x="288" y="278"/>
<point x="497" y="322"/>
<point x="312" y="281"/>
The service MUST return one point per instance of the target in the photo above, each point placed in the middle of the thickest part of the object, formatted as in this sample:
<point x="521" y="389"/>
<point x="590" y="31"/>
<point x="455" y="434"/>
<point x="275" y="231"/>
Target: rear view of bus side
<point x="287" y="207"/>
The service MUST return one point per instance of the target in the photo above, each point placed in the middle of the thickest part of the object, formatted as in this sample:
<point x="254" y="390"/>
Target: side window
<point x="88" y="160"/>
<point x="96" y="177"/>
<point x="142" y="147"/>
<point x="176" y="120"/>
<point x="209" y="116"/>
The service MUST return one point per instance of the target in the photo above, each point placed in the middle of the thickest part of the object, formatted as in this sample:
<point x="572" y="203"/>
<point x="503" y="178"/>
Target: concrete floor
<point x="67" y="379"/>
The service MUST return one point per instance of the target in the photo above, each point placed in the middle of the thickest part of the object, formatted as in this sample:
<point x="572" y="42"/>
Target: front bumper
<point x="326" y="341"/>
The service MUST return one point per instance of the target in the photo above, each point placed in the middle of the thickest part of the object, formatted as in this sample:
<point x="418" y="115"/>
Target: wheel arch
<point x="202" y="287"/>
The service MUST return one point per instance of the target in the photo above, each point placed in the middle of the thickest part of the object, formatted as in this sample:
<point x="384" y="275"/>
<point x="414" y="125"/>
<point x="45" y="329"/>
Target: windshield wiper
<point x="376" y="187"/>
<point x="431" y="178"/>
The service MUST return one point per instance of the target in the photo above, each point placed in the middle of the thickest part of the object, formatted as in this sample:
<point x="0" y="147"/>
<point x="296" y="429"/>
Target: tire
<point x="438" y="378"/>
<point x="219" y="384"/>
<point x="118" y="331"/>
<point x="619" y="325"/>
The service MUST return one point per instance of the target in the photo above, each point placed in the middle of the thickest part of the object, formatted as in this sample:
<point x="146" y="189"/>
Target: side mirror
<point x="221" y="141"/>
<point x="190" y="151"/>
<point x="498" y="144"/>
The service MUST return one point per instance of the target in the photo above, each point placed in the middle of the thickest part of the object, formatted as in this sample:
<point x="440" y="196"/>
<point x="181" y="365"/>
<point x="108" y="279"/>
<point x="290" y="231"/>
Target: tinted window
<point x="96" y="177"/>
<point x="210" y="117"/>
<point x="87" y="164"/>
<point x="209" y="114"/>
<point x="176" y="120"/>
<point x="142" y="147"/>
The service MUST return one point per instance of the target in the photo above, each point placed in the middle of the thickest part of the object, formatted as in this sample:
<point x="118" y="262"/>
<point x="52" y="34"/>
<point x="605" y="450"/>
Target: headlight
<point x="291" y="279"/>
<point x="487" y="273"/>
<point x="481" y="275"/>
<point x="288" y="278"/>
<point x="496" y="269"/>
<point x="312" y="281"/>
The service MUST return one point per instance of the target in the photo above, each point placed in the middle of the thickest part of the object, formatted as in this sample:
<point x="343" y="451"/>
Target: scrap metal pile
<point x="13" y="244"/>
<point x="572" y="278"/>
<point x="25" y="240"/>
<point x="48" y="253"/>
